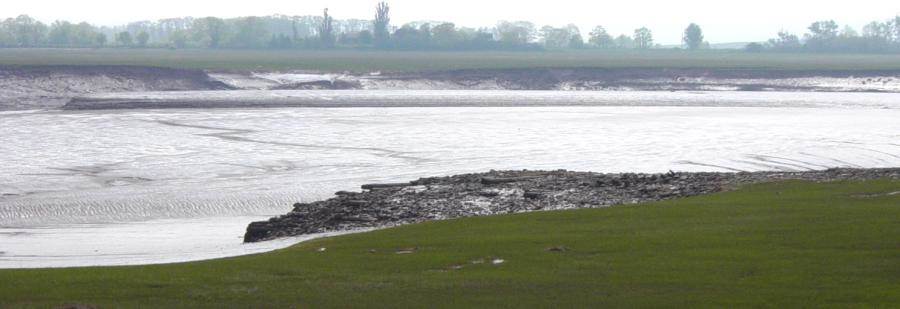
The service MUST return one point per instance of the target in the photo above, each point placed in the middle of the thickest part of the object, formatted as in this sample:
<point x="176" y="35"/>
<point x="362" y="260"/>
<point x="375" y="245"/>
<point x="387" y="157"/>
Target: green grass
<point x="367" y="61"/>
<point x="782" y="245"/>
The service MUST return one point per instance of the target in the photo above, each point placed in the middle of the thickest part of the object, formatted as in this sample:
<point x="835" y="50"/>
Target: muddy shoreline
<point x="643" y="79"/>
<point x="473" y="98"/>
<point x="51" y="87"/>
<point x="506" y="192"/>
<point x="578" y="79"/>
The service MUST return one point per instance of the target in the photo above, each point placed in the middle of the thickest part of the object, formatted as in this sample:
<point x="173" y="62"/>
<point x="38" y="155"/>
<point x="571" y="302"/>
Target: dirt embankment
<point x="646" y="80"/>
<point x="38" y="87"/>
<point x="503" y="192"/>
<point x="53" y="86"/>
<point x="620" y="79"/>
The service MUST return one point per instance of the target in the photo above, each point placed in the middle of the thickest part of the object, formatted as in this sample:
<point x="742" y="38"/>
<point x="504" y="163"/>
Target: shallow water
<point x="173" y="185"/>
<point x="134" y="243"/>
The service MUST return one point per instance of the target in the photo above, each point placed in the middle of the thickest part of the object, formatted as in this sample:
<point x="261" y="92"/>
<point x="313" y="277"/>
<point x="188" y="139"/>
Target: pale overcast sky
<point x="722" y="21"/>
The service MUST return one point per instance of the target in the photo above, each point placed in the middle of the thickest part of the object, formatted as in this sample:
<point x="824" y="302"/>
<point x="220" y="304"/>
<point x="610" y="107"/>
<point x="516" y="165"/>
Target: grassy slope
<point x="790" y="244"/>
<point x="366" y="61"/>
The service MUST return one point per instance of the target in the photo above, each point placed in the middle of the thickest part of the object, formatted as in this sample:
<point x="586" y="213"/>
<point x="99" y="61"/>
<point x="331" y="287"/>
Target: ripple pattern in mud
<point x="121" y="166"/>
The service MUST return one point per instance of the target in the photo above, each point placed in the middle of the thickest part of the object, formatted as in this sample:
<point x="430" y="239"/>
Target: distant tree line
<point x="310" y="32"/>
<point x="828" y="36"/>
<point x="326" y="32"/>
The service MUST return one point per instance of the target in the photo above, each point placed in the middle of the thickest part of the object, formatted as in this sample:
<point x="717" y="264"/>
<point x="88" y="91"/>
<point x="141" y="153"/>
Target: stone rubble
<point x="507" y="192"/>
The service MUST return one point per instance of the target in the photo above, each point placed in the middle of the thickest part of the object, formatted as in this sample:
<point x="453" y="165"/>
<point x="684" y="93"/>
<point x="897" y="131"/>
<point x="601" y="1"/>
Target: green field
<point x="367" y="61"/>
<point x="782" y="245"/>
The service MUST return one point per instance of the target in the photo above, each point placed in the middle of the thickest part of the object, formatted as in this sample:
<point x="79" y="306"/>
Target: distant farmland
<point x="393" y="61"/>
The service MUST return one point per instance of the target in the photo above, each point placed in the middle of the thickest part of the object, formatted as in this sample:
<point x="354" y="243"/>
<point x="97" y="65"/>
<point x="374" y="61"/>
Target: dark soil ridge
<point x="40" y="87"/>
<point x="506" y="192"/>
<point x="148" y="74"/>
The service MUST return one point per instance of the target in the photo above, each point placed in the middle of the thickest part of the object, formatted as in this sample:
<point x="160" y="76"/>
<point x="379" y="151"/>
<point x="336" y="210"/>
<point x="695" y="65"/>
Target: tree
<point x="823" y="30"/>
<point x="515" y="33"/>
<point x="26" y="31"/>
<point x="445" y="35"/>
<point x="60" y="33"/>
<point x="210" y="31"/>
<point x="896" y="26"/>
<point x="754" y="48"/>
<point x="555" y="38"/>
<point x="410" y="37"/>
<point x="475" y="39"/>
<point x="624" y="42"/>
<point x="179" y="39"/>
<point x="406" y="37"/>
<point x="295" y="33"/>
<point x="848" y="32"/>
<point x="251" y="33"/>
<point x="143" y="38"/>
<point x="576" y="41"/>
<point x="65" y="34"/>
<point x="601" y="39"/>
<point x="693" y="36"/>
<point x="785" y="42"/>
<point x="878" y="30"/>
<point x="84" y="35"/>
<point x="326" y="31"/>
<point x="425" y="35"/>
<point x="280" y="41"/>
<point x="643" y="38"/>
<point x="382" y="34"/>
<point x="124" y="39"/>
<point x="6" y="36"/>
<point x="365" y="38"/>
<point x="822" y="35"/>
<point x="100" y="39"/>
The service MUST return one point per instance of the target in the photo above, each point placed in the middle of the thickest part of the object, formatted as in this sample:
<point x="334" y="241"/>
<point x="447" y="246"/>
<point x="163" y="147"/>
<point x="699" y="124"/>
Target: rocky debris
<point x="376" y="186"/>
<point x="504" y="192"/>
<point x="501" y="180"/>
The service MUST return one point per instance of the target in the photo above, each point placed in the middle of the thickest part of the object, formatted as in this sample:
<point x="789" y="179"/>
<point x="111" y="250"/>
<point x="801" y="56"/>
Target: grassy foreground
<point x="792" y="244"/>
<point x="395" y="61"/>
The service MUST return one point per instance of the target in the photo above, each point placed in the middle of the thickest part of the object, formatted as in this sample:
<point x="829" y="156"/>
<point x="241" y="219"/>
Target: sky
<point x="722" y="21"/>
